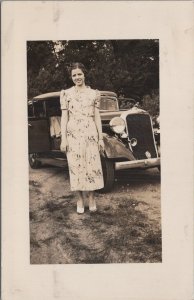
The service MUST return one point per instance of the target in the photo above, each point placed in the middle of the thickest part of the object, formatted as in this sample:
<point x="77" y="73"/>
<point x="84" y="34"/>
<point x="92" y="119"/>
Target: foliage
<point x="128" y="67"/>
<point x="150" y="103"/>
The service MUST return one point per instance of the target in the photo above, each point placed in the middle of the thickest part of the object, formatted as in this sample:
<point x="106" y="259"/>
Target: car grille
<point x="140" y="127"/>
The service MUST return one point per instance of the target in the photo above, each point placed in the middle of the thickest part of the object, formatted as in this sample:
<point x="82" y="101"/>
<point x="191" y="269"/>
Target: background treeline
<point x="128" y="67"/>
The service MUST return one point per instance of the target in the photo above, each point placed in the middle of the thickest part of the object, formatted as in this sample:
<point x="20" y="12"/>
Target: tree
<point x="128" y="67"/>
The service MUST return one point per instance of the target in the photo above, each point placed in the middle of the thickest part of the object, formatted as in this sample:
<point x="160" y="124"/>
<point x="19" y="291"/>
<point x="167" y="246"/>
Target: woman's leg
<point x="80" y="202"/>
<point x="92" y="202"/>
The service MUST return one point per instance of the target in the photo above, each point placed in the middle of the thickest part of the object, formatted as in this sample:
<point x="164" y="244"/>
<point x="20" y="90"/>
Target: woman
<point x="82" y="139"/>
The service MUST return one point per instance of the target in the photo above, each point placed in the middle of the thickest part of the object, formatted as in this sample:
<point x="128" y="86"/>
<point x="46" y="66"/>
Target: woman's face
<point x="78" y="77"/>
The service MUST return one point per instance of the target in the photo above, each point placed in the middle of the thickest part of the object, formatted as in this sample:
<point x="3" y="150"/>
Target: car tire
<point x="108" y="174"/>
<point x="33" y="161"/>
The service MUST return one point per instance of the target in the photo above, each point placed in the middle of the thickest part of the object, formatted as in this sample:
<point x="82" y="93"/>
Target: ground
<point x="126" y="228"/>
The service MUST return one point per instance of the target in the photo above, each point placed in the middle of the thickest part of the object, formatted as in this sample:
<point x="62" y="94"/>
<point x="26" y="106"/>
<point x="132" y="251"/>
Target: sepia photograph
<point x="97" y="150"/>
<point x="94" y="151"/>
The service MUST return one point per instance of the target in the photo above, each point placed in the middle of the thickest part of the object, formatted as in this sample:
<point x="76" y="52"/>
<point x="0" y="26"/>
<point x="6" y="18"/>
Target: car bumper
<point x="142" y="164"/>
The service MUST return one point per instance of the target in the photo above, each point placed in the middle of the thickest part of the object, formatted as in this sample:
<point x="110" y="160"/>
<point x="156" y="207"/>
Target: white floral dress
<point x="83" y="155"/>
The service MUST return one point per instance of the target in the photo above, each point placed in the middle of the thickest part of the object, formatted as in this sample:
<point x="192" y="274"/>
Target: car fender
<point x="116" y="149"/>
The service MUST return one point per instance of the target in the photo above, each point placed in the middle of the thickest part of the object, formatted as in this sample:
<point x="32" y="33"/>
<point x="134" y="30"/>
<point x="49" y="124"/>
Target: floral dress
<point x="83" y="155"/>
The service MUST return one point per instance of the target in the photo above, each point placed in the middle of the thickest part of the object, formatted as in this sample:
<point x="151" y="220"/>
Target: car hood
<point x="108" y="115"/>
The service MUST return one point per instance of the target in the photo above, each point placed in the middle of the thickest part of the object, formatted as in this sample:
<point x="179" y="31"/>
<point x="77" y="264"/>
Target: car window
<point x="39" y="111"/>
<point x="53" y="107"/>
<point x="108" y="104"/>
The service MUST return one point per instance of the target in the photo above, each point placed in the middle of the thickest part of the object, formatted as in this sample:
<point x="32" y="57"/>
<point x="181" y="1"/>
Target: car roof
<point x="57" y="94"/>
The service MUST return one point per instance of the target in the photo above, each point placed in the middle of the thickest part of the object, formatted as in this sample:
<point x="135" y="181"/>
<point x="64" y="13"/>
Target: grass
<point x="120" y="232"/>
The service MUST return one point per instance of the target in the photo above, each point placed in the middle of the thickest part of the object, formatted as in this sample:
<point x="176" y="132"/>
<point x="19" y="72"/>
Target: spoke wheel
<point x="33" y="161"/>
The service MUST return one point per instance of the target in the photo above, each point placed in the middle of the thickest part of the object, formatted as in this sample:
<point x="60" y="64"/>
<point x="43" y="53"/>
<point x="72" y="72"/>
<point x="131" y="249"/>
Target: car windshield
<point x="108" y="104"/>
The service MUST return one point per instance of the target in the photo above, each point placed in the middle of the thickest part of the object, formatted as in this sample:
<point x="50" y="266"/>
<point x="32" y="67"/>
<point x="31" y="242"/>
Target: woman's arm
<point x="64" y="120"/>
<point x="98" y="123"/>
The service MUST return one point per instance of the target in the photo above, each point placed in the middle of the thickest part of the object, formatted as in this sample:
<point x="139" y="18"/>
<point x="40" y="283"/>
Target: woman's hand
<point x="101" y="145"/>
<point x="64" y="146"/>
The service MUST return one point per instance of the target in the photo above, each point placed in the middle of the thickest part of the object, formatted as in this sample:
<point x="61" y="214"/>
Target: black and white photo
<point x="97" y="150"/>
<point x="94" y="151"/>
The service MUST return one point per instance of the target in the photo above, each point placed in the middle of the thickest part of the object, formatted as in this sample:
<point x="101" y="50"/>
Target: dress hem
<point x="86" y="190"/>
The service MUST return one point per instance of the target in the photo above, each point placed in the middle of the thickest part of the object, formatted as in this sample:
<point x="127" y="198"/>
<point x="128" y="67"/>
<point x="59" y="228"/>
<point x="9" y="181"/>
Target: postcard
<point x="97" y="150"/>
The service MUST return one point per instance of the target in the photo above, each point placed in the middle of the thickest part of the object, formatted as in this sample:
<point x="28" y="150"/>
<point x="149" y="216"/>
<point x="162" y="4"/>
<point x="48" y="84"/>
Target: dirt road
<point x="126" y="228"/>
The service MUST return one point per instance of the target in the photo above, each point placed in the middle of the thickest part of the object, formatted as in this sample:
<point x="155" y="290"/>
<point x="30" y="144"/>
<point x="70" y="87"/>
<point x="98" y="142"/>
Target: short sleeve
<point x="63" y="100"/>
<point x="97" y="99"/>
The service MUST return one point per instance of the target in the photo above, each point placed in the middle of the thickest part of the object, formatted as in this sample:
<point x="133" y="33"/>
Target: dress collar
<point x="81" y="90"/>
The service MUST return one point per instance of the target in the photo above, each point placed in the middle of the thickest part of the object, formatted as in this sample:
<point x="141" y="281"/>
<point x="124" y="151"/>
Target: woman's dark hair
<point x="77" y="65"/>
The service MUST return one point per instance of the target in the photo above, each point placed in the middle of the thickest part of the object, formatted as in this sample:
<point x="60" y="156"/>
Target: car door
<point x="38" y="128"/>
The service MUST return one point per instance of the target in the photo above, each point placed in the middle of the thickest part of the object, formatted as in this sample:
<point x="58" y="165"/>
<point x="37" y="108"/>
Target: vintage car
<point x="128" y="136"/>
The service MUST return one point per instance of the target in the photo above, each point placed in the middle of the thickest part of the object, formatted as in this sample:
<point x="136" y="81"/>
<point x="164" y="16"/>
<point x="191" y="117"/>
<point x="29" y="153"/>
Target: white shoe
<point x="80" y="210"/>
<point x="93" y="208"/>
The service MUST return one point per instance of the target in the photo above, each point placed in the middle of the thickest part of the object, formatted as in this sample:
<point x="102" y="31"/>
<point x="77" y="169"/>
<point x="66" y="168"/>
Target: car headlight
<point x="117" y="125"/>
<point x="133" y="142"/>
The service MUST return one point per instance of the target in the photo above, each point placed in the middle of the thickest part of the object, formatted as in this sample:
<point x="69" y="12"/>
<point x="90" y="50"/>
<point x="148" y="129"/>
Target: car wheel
<point x="108" y="174"/>
<point x="33" y="161"/>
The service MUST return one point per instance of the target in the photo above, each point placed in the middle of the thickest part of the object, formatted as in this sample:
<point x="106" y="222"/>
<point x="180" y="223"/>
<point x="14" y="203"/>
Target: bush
<point x="150" y="103"/>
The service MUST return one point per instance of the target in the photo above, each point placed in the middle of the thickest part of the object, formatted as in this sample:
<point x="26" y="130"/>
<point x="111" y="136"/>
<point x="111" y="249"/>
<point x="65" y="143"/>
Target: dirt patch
<point x="125" y="229"/>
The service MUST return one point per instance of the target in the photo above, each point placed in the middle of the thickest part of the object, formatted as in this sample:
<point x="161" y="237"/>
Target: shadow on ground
<point x="120" y="232"/>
